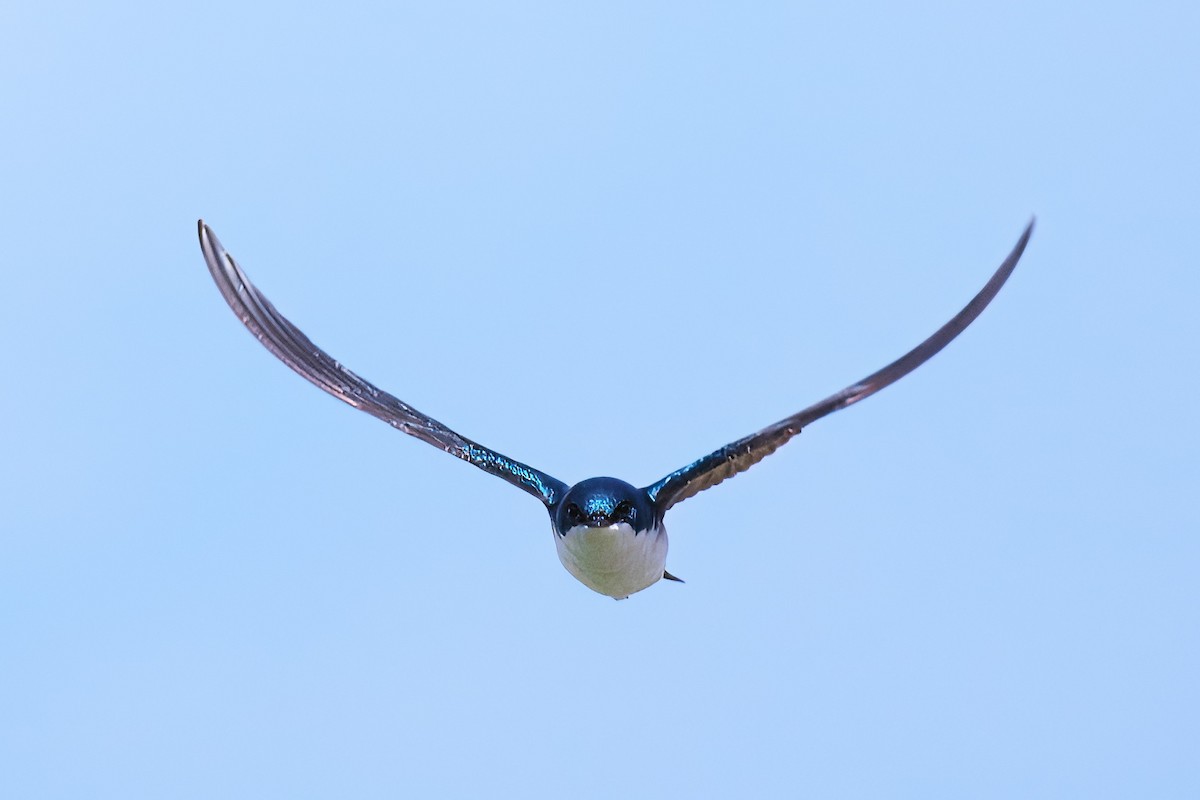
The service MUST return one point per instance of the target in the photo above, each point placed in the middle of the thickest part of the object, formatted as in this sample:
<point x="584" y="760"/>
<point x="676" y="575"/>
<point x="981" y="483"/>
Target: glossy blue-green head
<point x="601" y="502"/>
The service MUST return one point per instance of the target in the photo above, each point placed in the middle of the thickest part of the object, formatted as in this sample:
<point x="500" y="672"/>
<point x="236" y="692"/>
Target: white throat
<point x="614" y="560"/>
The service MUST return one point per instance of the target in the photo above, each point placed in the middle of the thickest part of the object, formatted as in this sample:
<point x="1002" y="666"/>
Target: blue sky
<point x="602" y="238"/>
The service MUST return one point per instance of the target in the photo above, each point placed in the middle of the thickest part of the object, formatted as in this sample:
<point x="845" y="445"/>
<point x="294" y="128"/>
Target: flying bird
<point x="609" y="534"/>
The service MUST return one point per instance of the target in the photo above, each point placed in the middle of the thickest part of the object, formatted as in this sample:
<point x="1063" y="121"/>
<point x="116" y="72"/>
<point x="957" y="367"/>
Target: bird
<point x="609" y="534"/>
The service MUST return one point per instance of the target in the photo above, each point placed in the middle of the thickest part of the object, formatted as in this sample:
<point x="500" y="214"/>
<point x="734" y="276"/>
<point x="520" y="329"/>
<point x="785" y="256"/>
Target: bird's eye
<point x="624" y="508"/>
<point x="573" y="512"/>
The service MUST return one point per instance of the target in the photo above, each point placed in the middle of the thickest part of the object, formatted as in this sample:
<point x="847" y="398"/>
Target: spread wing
<point x="293" y="348"/>
<point x="744" y="453"/>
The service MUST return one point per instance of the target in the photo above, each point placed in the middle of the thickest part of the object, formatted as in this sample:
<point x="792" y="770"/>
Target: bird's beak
<point x="598" y="519"/>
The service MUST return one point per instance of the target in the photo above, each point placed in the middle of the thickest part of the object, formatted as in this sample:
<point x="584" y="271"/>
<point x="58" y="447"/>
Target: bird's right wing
<point x="293" y="348"/>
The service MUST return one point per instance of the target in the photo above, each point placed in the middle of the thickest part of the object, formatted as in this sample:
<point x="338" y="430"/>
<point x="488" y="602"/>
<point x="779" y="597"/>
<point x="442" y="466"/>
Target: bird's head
<point x="601" y="502"/>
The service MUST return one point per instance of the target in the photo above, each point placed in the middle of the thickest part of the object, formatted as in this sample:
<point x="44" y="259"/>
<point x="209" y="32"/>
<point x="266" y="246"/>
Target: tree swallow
<point x="609" y="534"/>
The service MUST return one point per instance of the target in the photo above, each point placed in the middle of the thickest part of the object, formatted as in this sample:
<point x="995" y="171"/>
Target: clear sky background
<point x="602" y="238"/>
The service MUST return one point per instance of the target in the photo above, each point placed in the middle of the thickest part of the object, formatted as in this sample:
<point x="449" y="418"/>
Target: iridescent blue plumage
<point x="599" y="502"/>
<point x="531" y="480"/>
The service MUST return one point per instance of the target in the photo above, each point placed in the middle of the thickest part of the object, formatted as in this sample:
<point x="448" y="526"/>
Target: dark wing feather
<point x="293" y="348"/>
<point x="744" y="453"/>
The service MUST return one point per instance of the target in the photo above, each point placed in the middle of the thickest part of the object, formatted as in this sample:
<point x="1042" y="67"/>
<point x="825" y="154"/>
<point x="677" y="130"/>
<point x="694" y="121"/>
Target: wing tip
<point x="209" y="243"/>
<point x="204" y="232"/>
<point x="1026" y="234"/>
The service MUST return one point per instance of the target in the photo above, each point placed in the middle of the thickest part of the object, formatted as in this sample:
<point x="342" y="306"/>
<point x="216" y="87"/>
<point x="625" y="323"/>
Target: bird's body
<point x="615" y="560"/>
<point x="609" y="534"/>
<point x="609" y="537"/>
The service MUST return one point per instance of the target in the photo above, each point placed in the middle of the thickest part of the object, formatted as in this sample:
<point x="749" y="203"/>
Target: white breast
<point x="614" y="560"/>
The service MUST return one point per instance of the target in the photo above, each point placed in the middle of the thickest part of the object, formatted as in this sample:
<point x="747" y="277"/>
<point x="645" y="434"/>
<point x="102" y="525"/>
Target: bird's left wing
<point x="293" y="348"/>
<point x="744" y="453"/>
